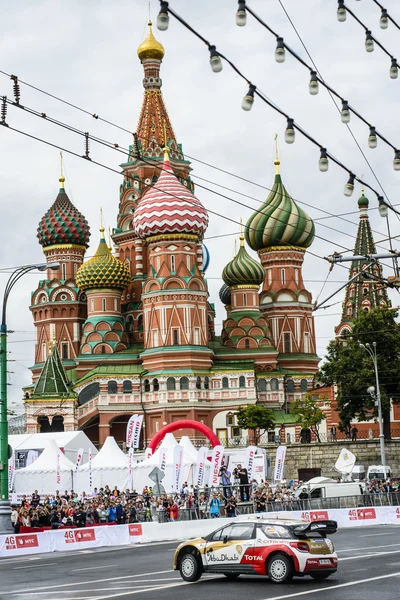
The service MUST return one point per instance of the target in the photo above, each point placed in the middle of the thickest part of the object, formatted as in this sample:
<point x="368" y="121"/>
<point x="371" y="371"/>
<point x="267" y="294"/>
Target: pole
<point x="378" y="398"/>
<point x="3" y="422"/>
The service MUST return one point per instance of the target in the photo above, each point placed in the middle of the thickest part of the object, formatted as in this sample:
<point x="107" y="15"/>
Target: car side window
<point x="216" y="535"/>
<point x="238" y="531"/>
<point x="273" y="532"/>
<point x="317" y="493"/>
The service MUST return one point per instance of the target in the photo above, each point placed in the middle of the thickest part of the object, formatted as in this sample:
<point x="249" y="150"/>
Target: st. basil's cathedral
<point x="132" y="330"/>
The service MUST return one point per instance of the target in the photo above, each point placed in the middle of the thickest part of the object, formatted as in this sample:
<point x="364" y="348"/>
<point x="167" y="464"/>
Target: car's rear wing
<point x="322" y="527"/>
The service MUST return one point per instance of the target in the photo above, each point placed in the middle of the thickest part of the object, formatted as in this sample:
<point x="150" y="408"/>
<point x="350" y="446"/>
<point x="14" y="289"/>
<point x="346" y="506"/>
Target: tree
<point x="351" y="368"/>
<point x="306" y="413"/>
<point x="255" y="418"/>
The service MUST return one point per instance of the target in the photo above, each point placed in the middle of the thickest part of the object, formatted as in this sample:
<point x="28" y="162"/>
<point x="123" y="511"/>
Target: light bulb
<point x="384" y="20"/>
<point x="372" y="139"/>
<point x="280" y="50"/>
<point x="396" y="160"/>
<point x="215" y="60"/>
<point x="369" y="42"/>
<point x="241" y="15"/>
<point x="313" y="86"/>
<point x="394" y="70"/>
<point x="349" y="187"/>
<point x="323" y="161"/>
<point x="341" y="11"/>
<point x="383" y="207"/>
<point x="163" y="17"/>
<point x="248" y="100"/>
<point x="345" y="112"/>
<point x="290" y="133"/>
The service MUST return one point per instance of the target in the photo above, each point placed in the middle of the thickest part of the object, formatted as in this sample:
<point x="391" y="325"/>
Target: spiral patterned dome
<point x="103" y="270"/>
<point x="63" y="223"/>
<point x="168" y="207"/>
<point x="225" y="294"/>
<point x="243" y="270"/>
<point x="205" y="257"/>
<point x="279" y="221"/>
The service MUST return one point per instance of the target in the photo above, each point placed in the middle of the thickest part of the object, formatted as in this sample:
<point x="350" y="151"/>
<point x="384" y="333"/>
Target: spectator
<point x="333" y="434"/>
<point x="230" y="507"/>
<point x="14" y="519"/>
<point x="214" y="506"/>
<point x="226" y="481"/>
<point x="244" y="483"/>
<point x="354" y="432"/>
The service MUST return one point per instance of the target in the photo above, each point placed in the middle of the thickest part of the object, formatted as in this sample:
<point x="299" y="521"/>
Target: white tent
<point x="69" y="442"/>
<point x="109" y="467"/>
<point x="41" y="475"/>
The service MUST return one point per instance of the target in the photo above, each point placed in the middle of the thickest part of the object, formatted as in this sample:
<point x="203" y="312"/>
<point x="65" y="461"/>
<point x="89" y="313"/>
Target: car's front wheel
<point x="321" y="576"/>
<point x="279" y="568"/>
<point x="189" y="568"/>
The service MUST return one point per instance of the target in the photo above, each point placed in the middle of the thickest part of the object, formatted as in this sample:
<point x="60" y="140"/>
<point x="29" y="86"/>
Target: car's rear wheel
<point x="232" y="576"/>
<point x="320" y="576"/>
<point x="279" y="568"/>
<point x="189" y="568"/>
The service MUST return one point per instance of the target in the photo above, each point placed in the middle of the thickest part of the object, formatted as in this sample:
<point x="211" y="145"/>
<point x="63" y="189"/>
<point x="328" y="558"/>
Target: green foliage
<point x="352" y="369"/>
<point x="256" y="418"/>
<point x="306" y="413"/>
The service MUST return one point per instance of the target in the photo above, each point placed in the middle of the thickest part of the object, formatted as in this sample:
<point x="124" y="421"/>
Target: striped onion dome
<point x="243" y="270"/>
<point x="279" y="221"/>
<point x="205" y="257"/>
<point x="225" y="294"/>
<point x="63" y="223"/>
<point x="103" y="270"/>
<point x="168" y="207"/>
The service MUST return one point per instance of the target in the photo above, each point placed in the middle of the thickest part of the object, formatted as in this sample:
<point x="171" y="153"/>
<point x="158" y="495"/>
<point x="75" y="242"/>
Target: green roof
<point x="282" y="418"/>
<point x="110" y="371"/>
<point x="52" y="380"/>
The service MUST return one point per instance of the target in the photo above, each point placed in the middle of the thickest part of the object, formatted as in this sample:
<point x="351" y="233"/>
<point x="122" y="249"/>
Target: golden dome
<point x="150" y="48"/>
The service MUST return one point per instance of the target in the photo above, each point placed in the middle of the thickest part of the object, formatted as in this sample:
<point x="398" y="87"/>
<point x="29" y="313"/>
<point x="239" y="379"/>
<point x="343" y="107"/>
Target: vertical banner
<point x="249" y="462"/>
<point x="79" y="457"/>
<point x="11" y="471"/>
<point x="279" y="463"/>
<point x="58" y="469"/>
<point x="147" y="453"/>
<point x="200" y="466"/>
<point x="90" y="472"/>
<point x="129" y="430"/>
<point x="31" y="457"/>
<point x="163" y="459"/>
<point x="130" y="463"/>
<point x="137" y="426"/>
<point x="216" y="462"/>
<point x="178" y="458"/>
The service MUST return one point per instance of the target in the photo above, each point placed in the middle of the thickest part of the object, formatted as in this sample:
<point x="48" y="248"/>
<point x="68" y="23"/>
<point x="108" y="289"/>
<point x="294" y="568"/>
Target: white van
<point x="358" y="473"/>
<point x="324" y="488"/>
<point x="378" y="472"/>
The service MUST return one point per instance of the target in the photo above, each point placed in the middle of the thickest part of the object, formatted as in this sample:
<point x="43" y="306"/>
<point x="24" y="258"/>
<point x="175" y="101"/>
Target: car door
<point x="225" y="550"/>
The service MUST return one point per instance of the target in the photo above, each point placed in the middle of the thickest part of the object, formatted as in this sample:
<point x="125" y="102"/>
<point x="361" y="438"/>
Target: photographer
<point x="243" y="483"/>
<point x="230" y="507"/>
<point x="225" y="476"/>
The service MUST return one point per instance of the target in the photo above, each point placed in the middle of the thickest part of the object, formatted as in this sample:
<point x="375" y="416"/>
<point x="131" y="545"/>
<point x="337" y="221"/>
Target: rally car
<point x="277" y="548"/>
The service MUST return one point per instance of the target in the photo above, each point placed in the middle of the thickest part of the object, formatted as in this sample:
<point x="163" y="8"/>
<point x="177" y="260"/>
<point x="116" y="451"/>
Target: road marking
<point x="84" y="569"/>
<point x="367" y="548"/>
<point x="368" y="555"/>
<point x="132" y="592"/>
<point x="323" y="589"/>
<point x="383" y="533"/>
<point x="32" y="566"/>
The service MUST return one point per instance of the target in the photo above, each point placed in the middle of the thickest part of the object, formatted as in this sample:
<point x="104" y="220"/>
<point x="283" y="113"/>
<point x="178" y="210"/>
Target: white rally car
<point x="277" y="548"/>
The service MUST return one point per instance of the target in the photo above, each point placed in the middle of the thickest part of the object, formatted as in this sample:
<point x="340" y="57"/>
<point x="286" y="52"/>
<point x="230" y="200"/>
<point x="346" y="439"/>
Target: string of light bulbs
<point x="216" y="58"/>
<point x="385" y="17"/>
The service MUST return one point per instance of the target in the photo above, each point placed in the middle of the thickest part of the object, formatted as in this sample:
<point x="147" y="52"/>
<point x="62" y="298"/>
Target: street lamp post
<point x="377" y="395"/>
<point x="5" y="511"/>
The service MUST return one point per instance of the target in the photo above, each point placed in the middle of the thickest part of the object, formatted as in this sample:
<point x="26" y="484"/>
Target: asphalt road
<point x="369" y="567"/>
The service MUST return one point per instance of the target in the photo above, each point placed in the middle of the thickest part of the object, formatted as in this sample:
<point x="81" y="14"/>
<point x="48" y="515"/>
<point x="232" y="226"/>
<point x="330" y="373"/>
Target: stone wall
<point x="324" y="456"/>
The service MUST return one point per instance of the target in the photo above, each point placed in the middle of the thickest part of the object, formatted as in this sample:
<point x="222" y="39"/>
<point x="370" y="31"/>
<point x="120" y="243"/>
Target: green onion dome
<point x="243" y="270"/>
<point x="279" y="221"/>
<point x="63" y="223"/>
<point x="363" y="202"/>
<point x="103" y="270"/>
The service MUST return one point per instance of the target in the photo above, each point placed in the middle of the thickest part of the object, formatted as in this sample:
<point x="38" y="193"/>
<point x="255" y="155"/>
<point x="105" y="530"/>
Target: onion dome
<point x="168" y="207"/>
<point x="279" y="221"/>
<point x="205" y="257"/>
<point x="103" y="270"/>
<point x="225" y="294"/>
<point x="63" y="223"/>
<point x="150" y="48"/>
<point x="243" y="270"/>
<point x="363" y="202"/>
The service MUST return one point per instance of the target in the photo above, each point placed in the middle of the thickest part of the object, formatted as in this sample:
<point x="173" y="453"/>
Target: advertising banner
<point x="135" y="533"/>
<point x="200" y="466"/>
<point x="147" y="453"/>
<point x="163" y="459"/>
<point x="249" y="461"/>
<point x="90" y="472"/>
<point x="31" y="457"/>
<point x="29" y="543"/>
<point x="130" y="467"/>
<point x="129" y="430"/>
<point x="216" y="462"/>
<point x="58" y="468"/>
<point x="137" y="426"/>
<point x="11" y="471"/>
<point x="178" y="457"/>
<point x="79" y="457"/>
<point x="279" y="463"/>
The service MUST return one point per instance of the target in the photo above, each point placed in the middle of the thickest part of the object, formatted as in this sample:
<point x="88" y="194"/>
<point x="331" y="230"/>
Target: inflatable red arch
<point x="184" y="424"/>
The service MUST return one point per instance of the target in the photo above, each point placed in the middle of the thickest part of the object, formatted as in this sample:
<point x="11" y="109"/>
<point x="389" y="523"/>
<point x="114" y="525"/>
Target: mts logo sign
<point x="14" y="542"/>
<point x="315" y="515"/>
<point x="397" y="513"/>
<point x="361" y="514"/>
<point x="135" y="529"/>
<point x="81" y="535"/>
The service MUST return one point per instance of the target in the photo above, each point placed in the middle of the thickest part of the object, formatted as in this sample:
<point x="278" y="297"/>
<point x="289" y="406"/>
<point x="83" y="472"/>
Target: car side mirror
<point x="225" y="540"/>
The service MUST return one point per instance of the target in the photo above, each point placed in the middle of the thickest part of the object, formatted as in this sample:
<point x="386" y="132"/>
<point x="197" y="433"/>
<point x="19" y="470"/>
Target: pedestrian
<point x="214" y="506"/>
<point x="333" y="433"/>
<point x="14" y="519"/>
<point x="354" y="432"/>
<point x="243" y="483"/>
<point x="226" y="481"/>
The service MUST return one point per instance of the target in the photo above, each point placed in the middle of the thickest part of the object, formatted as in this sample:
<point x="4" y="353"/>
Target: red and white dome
<point x="168" y="207"/>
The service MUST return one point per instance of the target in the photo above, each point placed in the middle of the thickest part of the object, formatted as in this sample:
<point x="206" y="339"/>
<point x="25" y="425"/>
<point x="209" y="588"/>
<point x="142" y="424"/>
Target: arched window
<point x="247" y="343"/>
<point x="206" y="383"/>
<point x="171" y="384"/>
<point x="303" y="385"/>
<point x="242" y="382"/>
<point x="274" y="385"/>
<point x="57" y="423"/>
<point x="175" y="337"/>
<point x="127" y="387"/>
<point x="112" y="387"/>
<point x="140" y="323"/>
<point x="156" y="385"/>
<point x="262" y="385"/>
<point x="146" y="385"/>
<point x="88" y="393"/>
<point x="198" y="383"/>
<point x="184" y="383"/>
<point x="225" y="383"/>
<point x="290" y="386"/>
<point x="103" y="349"/>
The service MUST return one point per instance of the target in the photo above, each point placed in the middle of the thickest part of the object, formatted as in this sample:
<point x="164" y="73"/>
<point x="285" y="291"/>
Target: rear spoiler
<point x="322" y="527"/>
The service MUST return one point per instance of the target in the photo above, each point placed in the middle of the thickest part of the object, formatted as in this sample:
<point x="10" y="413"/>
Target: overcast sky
<point x="85" y="52"/>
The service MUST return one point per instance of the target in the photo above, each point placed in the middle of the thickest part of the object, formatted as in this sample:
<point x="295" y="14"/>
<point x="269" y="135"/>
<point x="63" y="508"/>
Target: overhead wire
<point x="386" y="14"/>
